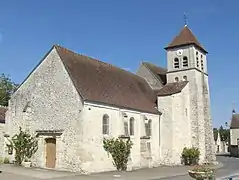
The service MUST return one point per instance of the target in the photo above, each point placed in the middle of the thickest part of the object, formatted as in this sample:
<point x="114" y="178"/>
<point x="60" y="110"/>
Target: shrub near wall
<point x="119" y="150"/>
<point x="190" y="156"/>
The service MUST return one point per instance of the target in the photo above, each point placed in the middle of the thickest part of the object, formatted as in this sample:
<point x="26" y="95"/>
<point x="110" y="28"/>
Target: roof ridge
<point x="185" y="37"/>
<point x="154" y="65"/>
<point x="95" y="59"/>
<point x="98" y="81"/>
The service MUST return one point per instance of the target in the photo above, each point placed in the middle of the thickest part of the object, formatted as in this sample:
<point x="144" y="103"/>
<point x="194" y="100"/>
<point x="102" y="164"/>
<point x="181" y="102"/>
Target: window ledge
<point x="124" y="137"/>
<point x="145" y="137"/>
<point x="146" y="155"/>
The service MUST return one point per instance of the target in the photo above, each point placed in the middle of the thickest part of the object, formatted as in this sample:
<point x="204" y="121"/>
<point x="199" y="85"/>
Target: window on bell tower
<point x="185" y="61"/>
<point x="176" y="63"/>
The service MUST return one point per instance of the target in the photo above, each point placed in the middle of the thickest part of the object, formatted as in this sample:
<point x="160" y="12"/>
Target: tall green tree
<point x="7" y="87"/>
<point x="224" y="133"/>
<point x="215" y="133"/>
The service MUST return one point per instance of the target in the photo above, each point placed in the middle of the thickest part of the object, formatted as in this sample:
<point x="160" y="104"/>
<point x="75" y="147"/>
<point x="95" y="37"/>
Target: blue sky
<point x="124" y="33"/>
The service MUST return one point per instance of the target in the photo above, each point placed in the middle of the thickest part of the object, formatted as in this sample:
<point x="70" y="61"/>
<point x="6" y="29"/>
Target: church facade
<point x="71" y="102"/>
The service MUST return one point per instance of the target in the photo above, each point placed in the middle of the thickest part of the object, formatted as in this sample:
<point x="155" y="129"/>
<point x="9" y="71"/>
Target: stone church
<point x="71" y="102"/>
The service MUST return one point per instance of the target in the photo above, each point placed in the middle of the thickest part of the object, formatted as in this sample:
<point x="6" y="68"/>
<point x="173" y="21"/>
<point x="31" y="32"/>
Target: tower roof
<point x="185" y="37"/>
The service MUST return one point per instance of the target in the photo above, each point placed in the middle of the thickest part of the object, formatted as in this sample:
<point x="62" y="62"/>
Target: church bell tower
<point x="187" y="61"/>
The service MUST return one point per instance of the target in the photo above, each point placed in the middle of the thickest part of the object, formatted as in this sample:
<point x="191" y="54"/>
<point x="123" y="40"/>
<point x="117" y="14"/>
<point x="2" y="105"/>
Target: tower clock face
<point x="179" y="52"/>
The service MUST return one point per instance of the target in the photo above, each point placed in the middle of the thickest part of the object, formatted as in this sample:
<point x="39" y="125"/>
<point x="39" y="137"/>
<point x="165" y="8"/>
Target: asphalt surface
<point x="230" y="168"/>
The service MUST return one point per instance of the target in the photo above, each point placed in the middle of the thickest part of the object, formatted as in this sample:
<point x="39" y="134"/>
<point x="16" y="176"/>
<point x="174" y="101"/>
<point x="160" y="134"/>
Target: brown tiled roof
<point x="185" y="37"/>
<point x="235" y="121"/>
<point x="171" y="88"/>
<point x="2" y="114"/>
<point x="97" y="81"/>
<point x="159" y="72"/>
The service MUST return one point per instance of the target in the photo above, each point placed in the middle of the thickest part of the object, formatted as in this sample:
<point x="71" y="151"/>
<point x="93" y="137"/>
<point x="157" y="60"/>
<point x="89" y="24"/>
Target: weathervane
<point x="185" y="19"/>
<point x="233" y="107"/>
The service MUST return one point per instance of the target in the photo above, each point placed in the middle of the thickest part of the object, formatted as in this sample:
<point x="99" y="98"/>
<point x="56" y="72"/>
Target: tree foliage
<point x="224" y="134"/>
<point x="215" y="133"/>
<point x="119" y="150"/>
<point x="24" y="146"/>
<point x="190" y="156"/>
<point x="7" y="87"/>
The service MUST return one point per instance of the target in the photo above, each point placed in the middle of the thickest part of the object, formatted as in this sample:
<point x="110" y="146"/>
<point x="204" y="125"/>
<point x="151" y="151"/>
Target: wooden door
<point x="50" y="153"/>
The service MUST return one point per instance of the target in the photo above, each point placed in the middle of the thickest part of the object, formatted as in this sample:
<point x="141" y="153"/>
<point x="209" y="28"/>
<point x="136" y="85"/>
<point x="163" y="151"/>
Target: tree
<point x="119" y="150"/>
<point x="7" y="88"/>
<point x="224" y="134"/>
<point x="215" y="133"/>
<point x="24" y="146"/>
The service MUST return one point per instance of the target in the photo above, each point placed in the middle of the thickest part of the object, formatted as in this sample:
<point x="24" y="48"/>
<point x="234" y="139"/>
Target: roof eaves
<point x="187" y="44"/>
<point x="117" y="106"/>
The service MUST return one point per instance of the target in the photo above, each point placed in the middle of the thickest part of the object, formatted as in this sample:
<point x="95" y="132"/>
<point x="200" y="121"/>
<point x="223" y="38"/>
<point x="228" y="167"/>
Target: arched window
<point x="148" y="128"/>
<point x="131" y="126"/>
<point x="176" y="79"/>
<point x="105" y="124"/>
<point x="176" y="63"/>
<point x="126" y="128"/>
<point x="185" y="78"/>
<point x="185" y="61"/>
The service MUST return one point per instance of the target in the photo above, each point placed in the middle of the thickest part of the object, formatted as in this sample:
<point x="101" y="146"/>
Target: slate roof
<point x="159" y="72"/>
<point x="235" y="121"/>
<point x="2" y="114"/>
<point x="97" y="81"/>
<point x="185" y="37"/>
<point x="171" y="88"/>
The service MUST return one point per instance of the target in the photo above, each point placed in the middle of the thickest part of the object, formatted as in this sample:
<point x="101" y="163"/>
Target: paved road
<point x="231" y="166"/>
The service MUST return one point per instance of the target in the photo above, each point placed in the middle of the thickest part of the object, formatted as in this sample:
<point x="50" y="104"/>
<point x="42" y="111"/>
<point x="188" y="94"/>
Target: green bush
<point x="119" y="150"/>
<point x="1" y="160"/>
<point x="190" y="156"/>
<point x="6" y="160"/>
<point x="24" y="146"/>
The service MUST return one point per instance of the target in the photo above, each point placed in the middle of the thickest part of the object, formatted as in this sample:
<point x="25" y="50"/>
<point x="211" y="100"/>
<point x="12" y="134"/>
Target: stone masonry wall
<point x="209" y="139"/>
<point x="201" y="118"/>
<point x="165" y="106"/>
<point x="94" y="158"/>
<point x="181" y="124"/>
<point x="175" y="126"/>
<point x="196" y="108"/>
<point x="52" y="103"/>
<point x="149" y="77"/>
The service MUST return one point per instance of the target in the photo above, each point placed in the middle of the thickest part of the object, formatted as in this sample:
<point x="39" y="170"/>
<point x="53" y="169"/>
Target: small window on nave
<point x="176" y="63"/>
<point x="126" y="128"/>
<point x="105" y="125"/>
<point x="148" y="128"/>
<point x="131" y="126"/>
<point x="176" y="79"/>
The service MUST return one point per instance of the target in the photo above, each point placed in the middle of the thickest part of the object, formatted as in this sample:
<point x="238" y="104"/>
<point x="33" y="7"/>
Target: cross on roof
<point x="185" y="19"/>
